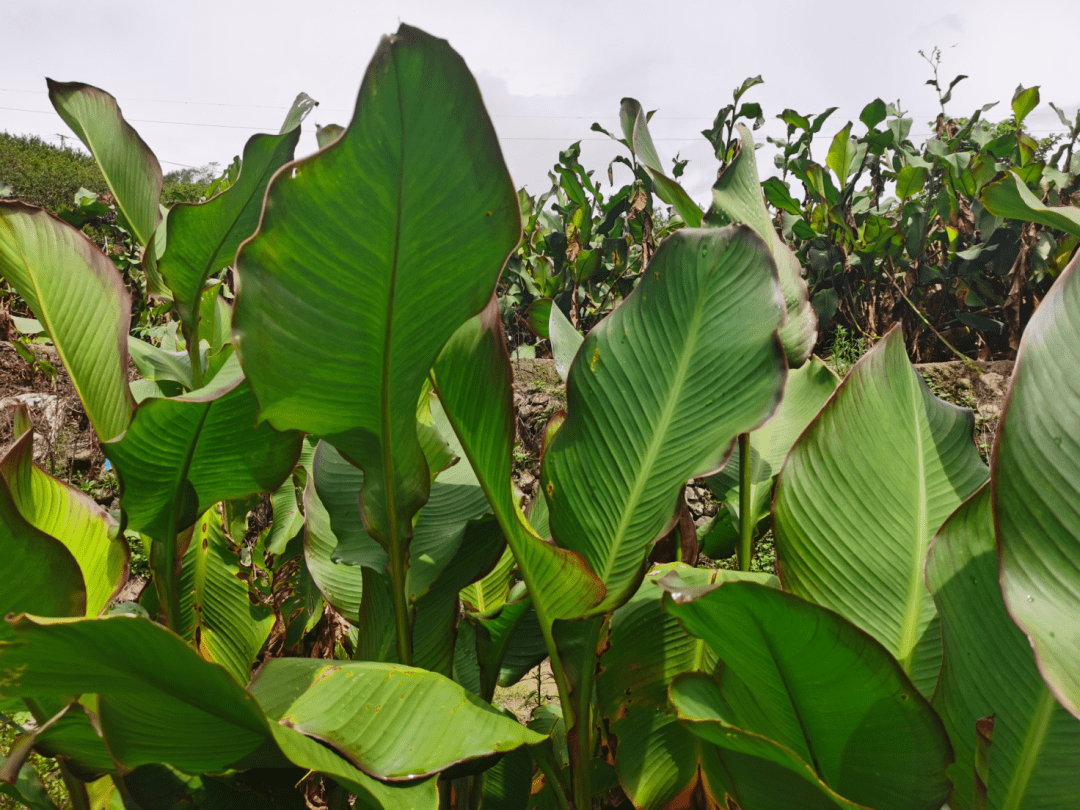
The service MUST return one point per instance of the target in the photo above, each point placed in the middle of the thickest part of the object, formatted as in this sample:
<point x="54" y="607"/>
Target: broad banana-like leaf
<point x="216" y="614"/>
<point x="635" y="127"/>
<point x="737" y="197"/>
<point x="507" y="784"/>
<point x="131" y="171"/>
<point x="863" y="492"/>
<point x="159" y="702"/>
<point x="473" y="380"/>
<point x="79" y="297"/>
<point x="182" y="455"/>
<point x="433" y="723"/>
<point x="1009" y="197"/>
<point x="989" y="670"/>
<point x="413" y="214"/>
<point x="1036" y="488"/>
<point x="659" y="392"/>
<point x="65" y="513"/>
<point x="44" y="578"/>
<point x="657" y="759"/>
<point x="831" y="702"/>
<point x="808" y="389"/>
<point x="203" y="238"/>
<point x="438" y="608"/>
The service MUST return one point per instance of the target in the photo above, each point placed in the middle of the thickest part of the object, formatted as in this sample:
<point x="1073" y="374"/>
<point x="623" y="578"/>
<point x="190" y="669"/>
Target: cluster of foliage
<point x="887" y="232"/>
<point x="349" y="656"/>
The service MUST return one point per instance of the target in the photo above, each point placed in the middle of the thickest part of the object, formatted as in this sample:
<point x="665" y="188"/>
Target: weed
<point x="847" y="348"/>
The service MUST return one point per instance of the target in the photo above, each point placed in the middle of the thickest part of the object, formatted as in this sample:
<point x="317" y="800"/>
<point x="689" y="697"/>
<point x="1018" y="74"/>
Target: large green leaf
<point x="182" y="455"/>
<point x="863" y="492"/>
<point x="657" y="759"/>
<point x="159" y="702"/>
<point x="67" y="514"/>
<point x="131" y="171"/>
<point x="659" y="392"/>
<point x="826" y="696"/>
<point x="413" y="214"/>
<point x="79" y="297"/>
<point x="737" y="197"/>
<point x="216" y="613"/>
<point x="203" y="238"/>
<point x="394" y="722"/>
<point x="635" y="127"/>
<point x="1009" y="197"/>
<point x="1036" y="488"/>
<point x="989" y="670"/>
<point x="473" y="379"/>
<point x="44" y="577"/>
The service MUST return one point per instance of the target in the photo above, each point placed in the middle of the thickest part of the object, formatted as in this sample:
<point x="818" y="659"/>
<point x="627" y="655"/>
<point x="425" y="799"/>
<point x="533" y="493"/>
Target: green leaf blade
<point x="824" y="690"/>
<point x="131" y="171"/>
<point x="862" y="494"/>
<point x="989" y="670"/>
<point x="1036" y="488"/>
<point x="435" y="722"/>
<point x="69" y="283"/>
<point x="388" y="202"/>
<point x="699" y="328"/>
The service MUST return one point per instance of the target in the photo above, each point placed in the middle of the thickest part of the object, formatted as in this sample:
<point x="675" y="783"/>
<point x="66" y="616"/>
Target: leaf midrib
<point x="913" y="606"/>
<point x="663" y="425"/>
<point x="1034" y="739"/>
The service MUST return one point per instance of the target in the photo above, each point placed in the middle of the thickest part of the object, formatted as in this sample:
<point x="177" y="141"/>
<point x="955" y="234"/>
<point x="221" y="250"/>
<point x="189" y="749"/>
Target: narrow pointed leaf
<point x="863" y="492"/>
<point x="473" y="380"/>
<point x="203" y="238"/>
<point x="824" y="690"/>
<point x="636" y="128"/>
<point x="443" y="723"/>
<point x="989" y="670"/>
<point x="216" y="613"/>
<point x="1036" y="488"/>
<point x="79" y="297"/>
<point x="1009" y="197"/>
<point x="131" y="171"/>
<point x="842" y="153"/>
<point x="737" y="197"/>
<point x="688" y="361"/>
<point x="414" y="214"/>
<point x="302" y="105"/>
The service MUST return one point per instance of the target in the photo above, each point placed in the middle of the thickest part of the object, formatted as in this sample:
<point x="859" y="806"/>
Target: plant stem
<point x="553" y="778"/>
<point x="401" y="603"/>
<point x="581" y="753"/>
<point x="746" y="521"/>
<point x="196" y="362"/>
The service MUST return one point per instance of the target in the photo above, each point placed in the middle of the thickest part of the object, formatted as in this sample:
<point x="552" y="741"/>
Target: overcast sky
<point x="197" y="78"/>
